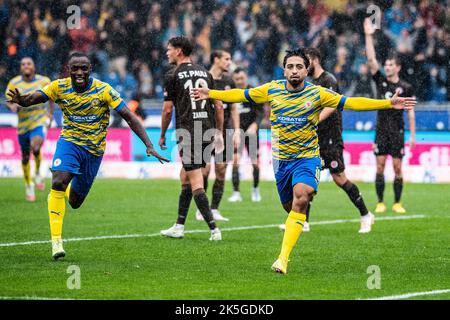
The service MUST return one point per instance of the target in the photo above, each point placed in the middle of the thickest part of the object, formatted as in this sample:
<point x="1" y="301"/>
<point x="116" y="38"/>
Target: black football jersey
<point x="390" y="120"/>
<point x="248" y="113"/>
<point x="178" y="83"/>
<point x="330" y="130"/>
<point x="225" y="83"/>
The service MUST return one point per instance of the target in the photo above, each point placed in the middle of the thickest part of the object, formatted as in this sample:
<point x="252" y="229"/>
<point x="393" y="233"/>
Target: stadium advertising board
<point x="125" y="156"/>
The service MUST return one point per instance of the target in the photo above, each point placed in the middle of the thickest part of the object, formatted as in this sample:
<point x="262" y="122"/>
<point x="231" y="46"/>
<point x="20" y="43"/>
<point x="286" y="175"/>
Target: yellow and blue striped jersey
<point x="294" y="116"/>
<point x="85" y="114"/>
<point x="34" y="116"/>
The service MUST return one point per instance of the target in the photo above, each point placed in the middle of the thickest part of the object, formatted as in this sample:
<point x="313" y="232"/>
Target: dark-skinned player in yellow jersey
<point x="295" y="108"/>
<point x="85" y="103"/>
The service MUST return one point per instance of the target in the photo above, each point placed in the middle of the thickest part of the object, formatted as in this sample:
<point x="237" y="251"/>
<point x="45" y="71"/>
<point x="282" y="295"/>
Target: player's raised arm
<point x="331" y="99"/>
<point x="255" y="95"/>
<point x="396" y="102"/>
<point x="369" y="30"/>
<point x="232" y="95"/>
<point x="26" y="100"/>
<point x="139" y="129"/>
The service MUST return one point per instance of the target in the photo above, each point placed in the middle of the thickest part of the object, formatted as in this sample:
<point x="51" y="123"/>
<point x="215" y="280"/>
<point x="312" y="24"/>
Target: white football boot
<point x="29" y="193"/>
<point x="176" y="231"/>
<point x="57" y="249"/>
<point x="216" y="235"/>
<point x="198" y="216"/>
<point x="256" y="196"/>
<point x="235" y="197"/>
<point x="40" y="183"/>
<point x="366" y="223"/>
<point x="217" y="216"/>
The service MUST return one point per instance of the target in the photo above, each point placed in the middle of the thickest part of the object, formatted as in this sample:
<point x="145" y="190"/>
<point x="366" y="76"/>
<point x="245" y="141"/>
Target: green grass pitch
<point x="330" y="262"/>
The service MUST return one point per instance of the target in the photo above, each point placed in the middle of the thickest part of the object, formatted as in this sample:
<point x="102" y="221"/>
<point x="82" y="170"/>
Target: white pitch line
<point x="32" y="298"/>
<point x="123" y="236"/>
<point x="417" y="216"/>
<point x="411" y="295"/>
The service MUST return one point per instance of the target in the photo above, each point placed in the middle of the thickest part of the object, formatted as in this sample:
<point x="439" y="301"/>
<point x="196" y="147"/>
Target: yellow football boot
<point x="398" y="208"/>
<point x="381" y="208"/>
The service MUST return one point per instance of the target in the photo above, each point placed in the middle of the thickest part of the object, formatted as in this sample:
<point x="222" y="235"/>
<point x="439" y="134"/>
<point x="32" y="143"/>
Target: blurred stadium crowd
<point x="126" y="39"/>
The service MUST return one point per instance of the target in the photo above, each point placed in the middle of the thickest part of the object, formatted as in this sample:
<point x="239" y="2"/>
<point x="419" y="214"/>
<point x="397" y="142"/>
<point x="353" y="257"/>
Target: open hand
<point x="402" y="103"/>
<point x="200" y="93"/>
<point x="152" y="152"/>
<point x="16" y="97"/>
<point x="369" y="28"/>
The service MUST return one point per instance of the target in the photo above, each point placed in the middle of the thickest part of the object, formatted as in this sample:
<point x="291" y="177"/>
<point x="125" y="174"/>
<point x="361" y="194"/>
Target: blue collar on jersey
<point x="32" y="80"/>
<point x="305" y="84"/>
<point x="87" y="88"/>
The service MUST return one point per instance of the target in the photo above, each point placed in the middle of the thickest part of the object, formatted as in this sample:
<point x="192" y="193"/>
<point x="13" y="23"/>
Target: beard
<point x="295" y="82"/>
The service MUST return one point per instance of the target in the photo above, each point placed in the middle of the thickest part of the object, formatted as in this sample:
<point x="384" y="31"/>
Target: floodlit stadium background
<point x="126" y="40"/>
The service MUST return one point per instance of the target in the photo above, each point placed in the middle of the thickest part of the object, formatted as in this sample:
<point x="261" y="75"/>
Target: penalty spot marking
<point x="124" y="236"/>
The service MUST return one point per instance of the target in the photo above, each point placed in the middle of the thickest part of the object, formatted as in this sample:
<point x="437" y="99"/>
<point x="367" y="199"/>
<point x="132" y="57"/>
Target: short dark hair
<point x="239" y="69"/>
<point x="217" y="54"/>
<point x="314" y="53"/>
<point x="78" y="54"/>
<point x="300" y="52"/>
<point x="394" y="56"/>
<point x="183" y="43"/>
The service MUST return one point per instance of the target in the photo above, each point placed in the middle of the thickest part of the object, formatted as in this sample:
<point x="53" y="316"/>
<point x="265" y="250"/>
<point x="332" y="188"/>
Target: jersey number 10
<point x="199" y="83"/>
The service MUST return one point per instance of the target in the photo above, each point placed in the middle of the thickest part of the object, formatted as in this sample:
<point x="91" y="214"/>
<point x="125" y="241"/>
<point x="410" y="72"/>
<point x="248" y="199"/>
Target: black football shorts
<point x="392" y="143"/>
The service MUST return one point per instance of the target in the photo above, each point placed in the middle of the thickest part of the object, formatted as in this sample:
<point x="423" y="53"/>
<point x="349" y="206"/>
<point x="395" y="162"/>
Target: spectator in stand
<point x="436" y="86"/>
<point x="83" y="38"/>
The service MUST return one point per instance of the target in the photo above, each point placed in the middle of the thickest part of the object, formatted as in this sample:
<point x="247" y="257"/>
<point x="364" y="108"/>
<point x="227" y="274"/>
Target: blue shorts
<point x="289" y="173"/>
<point x="73" y="158"/>
<point x="25" y="139"/>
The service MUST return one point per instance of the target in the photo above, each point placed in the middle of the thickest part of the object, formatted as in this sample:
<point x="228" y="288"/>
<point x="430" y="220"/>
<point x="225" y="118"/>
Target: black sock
<point x="217" y="193"/>
<point x="255" y="176"/>
<point x="205" y="183"/>
<point x="201" y="200"/>
<point x="308" y="208"/>
<point x="379" y="186"/>
<point x="235" y="178"/>
<point x="184" y="203"/>
<point x="355" y="196"/>
<point x="398" y="187"/>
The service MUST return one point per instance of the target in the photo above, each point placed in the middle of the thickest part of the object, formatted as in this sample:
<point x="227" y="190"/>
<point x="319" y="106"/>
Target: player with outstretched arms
<point x="85" y="103"/>
<point x="295" y="108"/>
